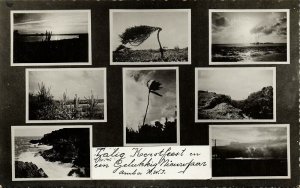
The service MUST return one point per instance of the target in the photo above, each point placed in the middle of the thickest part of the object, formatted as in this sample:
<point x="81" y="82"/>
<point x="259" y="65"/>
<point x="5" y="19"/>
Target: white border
<point x="287" y="11"/>
<point x="88" y="11"/>
<point x="256" y="177"/>
<point x="242" y="120"/>
<point x="39" y="127"/>
<point x="64" y="69"/>
<point x="111" y="30"/>
<point x="177" y="103"/>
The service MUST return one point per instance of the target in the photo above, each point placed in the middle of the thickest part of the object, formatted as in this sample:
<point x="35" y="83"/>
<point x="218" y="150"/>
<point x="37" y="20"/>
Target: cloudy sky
<point x="79" y="82"/>
<point x="174" y="28"/>
<point x="264" y="135"/>
<point x="34" y="131"/>
<point x="237" y="83"/>
<point x="58" y="22"/>
<point x="136" y="93"/>
<point x="248" y="27"/>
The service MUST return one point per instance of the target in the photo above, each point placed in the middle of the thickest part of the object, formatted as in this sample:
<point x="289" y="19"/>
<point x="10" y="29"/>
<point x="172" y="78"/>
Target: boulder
<point x="28" y="170"/>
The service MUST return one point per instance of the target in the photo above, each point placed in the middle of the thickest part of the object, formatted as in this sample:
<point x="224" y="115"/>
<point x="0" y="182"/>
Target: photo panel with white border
<point x="249" y="36"/>
<point x="235" y="94"/>
<point x="150" y="36"/>
<point x="64" y="95"/>
<point x="50" y="37"/>
<point x="257" y="151"/>
<point x="151" y="106"/>
<point x="56" y="152"/>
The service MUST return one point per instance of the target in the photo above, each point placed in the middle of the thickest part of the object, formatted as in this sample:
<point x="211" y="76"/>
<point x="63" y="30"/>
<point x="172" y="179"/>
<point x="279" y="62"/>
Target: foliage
<point x="153" y="86"/>
<point x="92" y="102"/>
<point x="42" y="106"/>
<point x="137" y="35"/>
<point x="259" y="105"/>
<point x="158" y="133"/>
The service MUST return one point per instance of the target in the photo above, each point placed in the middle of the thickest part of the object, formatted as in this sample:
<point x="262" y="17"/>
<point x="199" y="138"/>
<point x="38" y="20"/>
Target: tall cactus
<point x="92" y="102"/>
<point x="76" y="106"/>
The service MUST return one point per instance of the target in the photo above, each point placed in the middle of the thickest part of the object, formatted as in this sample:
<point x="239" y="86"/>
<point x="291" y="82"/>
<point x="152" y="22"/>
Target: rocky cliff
<point x="28" y="170"/>
<point x="70" y="145"/>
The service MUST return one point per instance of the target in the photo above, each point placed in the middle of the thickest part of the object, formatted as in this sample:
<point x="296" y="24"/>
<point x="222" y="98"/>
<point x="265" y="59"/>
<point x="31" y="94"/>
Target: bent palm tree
<point x="136" y="35"/>
<point x="153" y="86"/>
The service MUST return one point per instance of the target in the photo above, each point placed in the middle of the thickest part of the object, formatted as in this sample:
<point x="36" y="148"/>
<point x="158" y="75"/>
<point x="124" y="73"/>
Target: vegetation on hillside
<point x="258" y="105"/>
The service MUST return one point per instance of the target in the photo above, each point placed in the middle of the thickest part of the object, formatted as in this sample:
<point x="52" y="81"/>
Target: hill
<point x="258" y="105"/>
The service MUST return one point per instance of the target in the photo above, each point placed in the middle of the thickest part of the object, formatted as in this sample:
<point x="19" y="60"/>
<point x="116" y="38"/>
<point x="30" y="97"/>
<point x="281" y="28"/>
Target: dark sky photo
<point x="57" y="22"/>
<point x="265" y="136"/>
<point x="136" y="93"/>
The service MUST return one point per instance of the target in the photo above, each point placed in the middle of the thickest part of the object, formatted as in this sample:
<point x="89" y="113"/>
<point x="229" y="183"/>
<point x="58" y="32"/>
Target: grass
<point x="170" y="55"/>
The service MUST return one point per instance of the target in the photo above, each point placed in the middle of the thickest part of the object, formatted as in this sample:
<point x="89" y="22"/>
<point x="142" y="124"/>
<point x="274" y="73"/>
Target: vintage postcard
<point x="50" y="37"/>
<point x="235" y="94"/>
<point x="51" y="152"/>
<point x="244" y="36"/>
<point x="151" y="106"/>
<point x="250" y="151"/>
<point x="150" y="36"/>
<point x="66" y="95"/>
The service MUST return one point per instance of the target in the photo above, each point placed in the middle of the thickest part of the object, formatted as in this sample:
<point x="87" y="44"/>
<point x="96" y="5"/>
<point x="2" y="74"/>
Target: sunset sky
<point x="248" y="27"/>
<point x="79" y="82"/>
<point x="174" y="26"/>
<point x="57" y="22"/>
<point x="136" y="93"/>
<point x="271" y="135"/>
<point x="235" y="82"/>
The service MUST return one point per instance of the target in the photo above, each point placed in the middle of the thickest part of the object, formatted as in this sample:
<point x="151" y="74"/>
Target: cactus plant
<point x="92" y="103"/>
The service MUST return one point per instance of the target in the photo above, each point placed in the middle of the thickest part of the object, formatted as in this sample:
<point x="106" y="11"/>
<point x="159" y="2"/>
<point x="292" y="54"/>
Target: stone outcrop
<point x="28" y="170"/>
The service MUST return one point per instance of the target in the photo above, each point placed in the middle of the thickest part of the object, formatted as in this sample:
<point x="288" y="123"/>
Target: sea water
<point x="39" y="38"/>
<point x="249" y="52"/>
<point x="27" y="152"/>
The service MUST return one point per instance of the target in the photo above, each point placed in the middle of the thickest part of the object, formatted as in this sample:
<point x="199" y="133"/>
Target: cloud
<point x="168" y="110"/>
<point x="136" y="102"/>
<point x="219" y="22"/>
<point x="279" y="28"/>
<point x="136" y="94"/>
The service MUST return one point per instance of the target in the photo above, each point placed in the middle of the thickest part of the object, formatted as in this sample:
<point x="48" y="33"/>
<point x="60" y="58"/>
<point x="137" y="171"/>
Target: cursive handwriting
<point x="138" y="161"/>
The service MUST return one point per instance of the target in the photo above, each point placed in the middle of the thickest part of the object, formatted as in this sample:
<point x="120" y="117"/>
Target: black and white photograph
<point x="50" y="37"/>
<point x="150" y="36"/>
<point x="249" y="36"/>
<point x="250" y="151"/>
<point x="65" y="95"/>
<point x="151" y="106"/>
<point x="51" y="152"/>
<point x="235" y="94"/>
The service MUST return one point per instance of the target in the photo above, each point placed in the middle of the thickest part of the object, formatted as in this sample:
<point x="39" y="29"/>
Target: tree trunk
<point x="146" y="108"/>
<point x="160" y="48"/>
